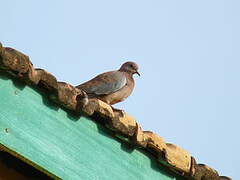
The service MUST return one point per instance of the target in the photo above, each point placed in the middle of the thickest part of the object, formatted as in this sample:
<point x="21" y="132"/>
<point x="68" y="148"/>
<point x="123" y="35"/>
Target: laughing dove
<point x="112" y="87"/>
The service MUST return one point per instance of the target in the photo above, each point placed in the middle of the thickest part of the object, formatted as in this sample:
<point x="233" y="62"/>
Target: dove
<point x="113" y="86"/>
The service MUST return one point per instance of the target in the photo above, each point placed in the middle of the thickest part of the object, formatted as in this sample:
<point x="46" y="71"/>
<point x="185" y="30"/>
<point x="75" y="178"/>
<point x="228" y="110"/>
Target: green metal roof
<point x="65" y="146"/>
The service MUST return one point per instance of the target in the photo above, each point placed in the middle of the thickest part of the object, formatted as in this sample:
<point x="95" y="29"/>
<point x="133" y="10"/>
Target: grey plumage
<point x="105" y="83"/>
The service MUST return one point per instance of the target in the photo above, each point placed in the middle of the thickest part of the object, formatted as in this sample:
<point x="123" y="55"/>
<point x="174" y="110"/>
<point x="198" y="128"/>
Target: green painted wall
<point x="69" y="147"/>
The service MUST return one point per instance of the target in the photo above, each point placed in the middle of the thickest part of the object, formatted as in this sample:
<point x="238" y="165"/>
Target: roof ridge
<point x="124" y="126"/>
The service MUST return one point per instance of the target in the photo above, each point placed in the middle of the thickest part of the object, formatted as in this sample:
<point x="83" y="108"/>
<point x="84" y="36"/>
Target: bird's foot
<point x="120" y="111"/>
<point x="82" y="99"/>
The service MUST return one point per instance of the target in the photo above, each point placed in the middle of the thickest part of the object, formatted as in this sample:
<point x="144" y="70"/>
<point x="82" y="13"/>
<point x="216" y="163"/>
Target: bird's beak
<point x="137" y="73"/>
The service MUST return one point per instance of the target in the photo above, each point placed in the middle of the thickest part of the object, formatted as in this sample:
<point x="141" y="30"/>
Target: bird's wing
<point x="105" y="83"/>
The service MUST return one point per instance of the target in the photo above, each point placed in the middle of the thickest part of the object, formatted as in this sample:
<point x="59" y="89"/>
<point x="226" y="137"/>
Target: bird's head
<point x="130" y="67"/>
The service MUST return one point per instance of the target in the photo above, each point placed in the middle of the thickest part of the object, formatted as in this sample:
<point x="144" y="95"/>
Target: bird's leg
<point x="120" y="111"/>
<point x="82" y="99"/>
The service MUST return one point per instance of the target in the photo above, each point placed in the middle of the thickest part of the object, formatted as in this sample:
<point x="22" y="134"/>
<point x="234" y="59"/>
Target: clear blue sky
<point x="188" y="53"/>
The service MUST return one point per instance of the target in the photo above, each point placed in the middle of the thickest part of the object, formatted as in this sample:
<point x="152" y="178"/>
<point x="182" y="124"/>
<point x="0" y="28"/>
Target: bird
<point x="113" y="86"/>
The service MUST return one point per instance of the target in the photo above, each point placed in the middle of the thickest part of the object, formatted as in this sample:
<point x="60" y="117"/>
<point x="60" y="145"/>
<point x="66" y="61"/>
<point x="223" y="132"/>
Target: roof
<point x="124" y="127"/>
<point x="63" y="145"/>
